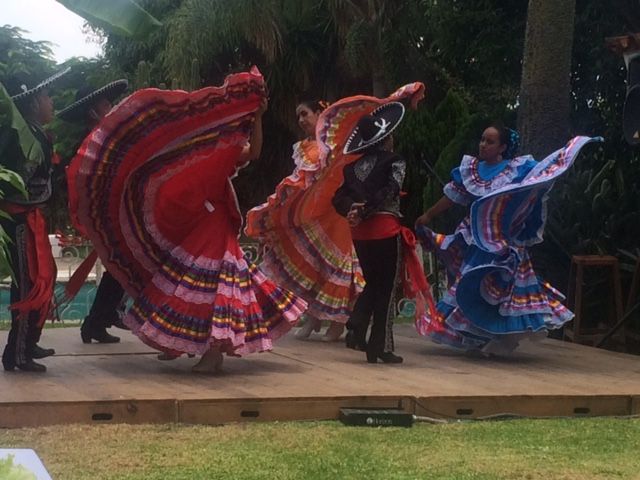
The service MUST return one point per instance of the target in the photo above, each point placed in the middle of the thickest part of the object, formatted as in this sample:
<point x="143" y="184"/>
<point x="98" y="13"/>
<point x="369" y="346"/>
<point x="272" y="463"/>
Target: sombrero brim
<point x="392" y="113"/>
<point x="76" y="110"/>
<point x="41" y="86"/>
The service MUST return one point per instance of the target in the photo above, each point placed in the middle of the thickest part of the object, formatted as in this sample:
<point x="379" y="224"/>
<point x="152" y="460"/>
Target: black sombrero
<point x="19" y="90"/>
<point x="375" y="127"/>
<point x="87" y="96"/>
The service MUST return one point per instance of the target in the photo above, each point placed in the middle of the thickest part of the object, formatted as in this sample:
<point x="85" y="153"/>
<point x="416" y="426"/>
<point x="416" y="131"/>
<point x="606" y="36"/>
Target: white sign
<point x="27" y="459"/>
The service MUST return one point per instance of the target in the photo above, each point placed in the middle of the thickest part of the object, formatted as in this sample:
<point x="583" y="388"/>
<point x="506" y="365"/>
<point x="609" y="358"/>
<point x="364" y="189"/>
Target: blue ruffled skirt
<point x="494" y="298"/>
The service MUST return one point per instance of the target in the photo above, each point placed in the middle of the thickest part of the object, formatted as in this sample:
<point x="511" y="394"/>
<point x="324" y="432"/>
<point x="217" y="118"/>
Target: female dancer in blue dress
<point x="494" y="297"/>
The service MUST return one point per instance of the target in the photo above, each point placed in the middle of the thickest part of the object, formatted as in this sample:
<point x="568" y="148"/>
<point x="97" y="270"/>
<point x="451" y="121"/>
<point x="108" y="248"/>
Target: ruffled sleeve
<point x="456" y="191"/>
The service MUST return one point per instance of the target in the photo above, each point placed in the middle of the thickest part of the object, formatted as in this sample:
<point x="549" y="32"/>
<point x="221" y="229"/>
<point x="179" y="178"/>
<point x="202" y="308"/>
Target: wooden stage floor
<point x="305" y="380"/>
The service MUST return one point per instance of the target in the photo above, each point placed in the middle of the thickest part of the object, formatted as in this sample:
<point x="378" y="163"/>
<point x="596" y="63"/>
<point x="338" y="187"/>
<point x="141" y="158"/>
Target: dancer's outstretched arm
<point x="441" y="206"/>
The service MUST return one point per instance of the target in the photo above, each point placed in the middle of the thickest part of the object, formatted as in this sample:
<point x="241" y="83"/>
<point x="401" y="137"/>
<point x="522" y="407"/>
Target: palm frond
<point x="203" y="29"/>
<point x="360" y="45"/>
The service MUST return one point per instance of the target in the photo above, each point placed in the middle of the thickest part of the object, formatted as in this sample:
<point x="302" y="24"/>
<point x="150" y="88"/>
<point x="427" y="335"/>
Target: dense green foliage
<point x="20" y="55"/>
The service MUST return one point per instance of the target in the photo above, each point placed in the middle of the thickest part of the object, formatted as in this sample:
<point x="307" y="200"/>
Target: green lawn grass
<point x="523" y="449"/>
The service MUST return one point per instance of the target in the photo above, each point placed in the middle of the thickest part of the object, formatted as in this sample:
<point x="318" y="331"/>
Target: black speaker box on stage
<point x="370" y="417"/>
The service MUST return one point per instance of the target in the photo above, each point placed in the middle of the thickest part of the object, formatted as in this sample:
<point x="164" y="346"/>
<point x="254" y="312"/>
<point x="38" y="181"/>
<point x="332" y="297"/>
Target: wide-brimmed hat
<point x="18" y="89"/>
<point x="87" y="96"/>
<point x="375" y="127"/>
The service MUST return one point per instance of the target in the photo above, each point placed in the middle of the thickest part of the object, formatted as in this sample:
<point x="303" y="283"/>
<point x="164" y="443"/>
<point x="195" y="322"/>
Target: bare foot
<point x="334" y="332"/>
<point x="210" y="363"/>
<point x="310" y="325"/>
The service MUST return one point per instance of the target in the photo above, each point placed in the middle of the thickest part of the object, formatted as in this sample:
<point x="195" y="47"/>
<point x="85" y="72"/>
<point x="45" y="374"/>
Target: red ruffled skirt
<point x="155" y="197"/>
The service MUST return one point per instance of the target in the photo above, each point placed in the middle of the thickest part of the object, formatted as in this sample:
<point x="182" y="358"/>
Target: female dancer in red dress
<point x="157" y="201"/>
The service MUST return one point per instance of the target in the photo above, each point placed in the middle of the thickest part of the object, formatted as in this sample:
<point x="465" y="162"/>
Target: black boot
<point x="28" y="366"/>
<point x="99" y="335"/>
<point x="38" y="352"/>
<point x="92" y="330"/>
<point x="8" y="363"/>
<point x="386" y="357"/>
<point x="31" y="366"/>
<point x="8" y="358"/>
<point x="354" y="341"/>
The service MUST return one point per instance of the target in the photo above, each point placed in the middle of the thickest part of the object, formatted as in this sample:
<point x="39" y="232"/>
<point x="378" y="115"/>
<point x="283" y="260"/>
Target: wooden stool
<point x="632" y="306"/>
<point x="577" y="333"/>
<point x="634" y="291"/>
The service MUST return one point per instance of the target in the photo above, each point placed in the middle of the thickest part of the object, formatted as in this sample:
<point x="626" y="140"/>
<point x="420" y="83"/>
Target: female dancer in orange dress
<point x="311" y="256"/>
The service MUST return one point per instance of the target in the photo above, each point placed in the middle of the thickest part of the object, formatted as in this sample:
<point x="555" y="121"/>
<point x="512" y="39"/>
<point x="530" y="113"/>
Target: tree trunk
<point x="544" y="112"/>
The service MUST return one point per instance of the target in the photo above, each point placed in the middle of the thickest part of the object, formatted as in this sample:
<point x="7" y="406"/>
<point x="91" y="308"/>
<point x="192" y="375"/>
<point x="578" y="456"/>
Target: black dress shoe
<point x="38" y="352"/>
<point x="100" y="336"/>
<point x="8" y="365"/>
<point x="354" y="343"/>
<point x="29" y="366"/>
<point x="386" y="357"/>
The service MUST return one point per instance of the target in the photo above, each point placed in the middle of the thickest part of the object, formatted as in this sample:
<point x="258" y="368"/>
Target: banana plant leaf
<point x="5" y="256"/>
<point x="121" y="17"/>
<point x="13" y="179"/>
<point x="10" y="119"/>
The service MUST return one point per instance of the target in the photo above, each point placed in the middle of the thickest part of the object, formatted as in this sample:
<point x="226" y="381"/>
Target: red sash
<point x="414" y="281"/>
<point x="40" y="263"/>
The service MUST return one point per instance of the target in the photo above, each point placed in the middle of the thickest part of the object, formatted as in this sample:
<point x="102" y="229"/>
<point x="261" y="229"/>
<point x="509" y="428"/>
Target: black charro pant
<point x="24" y="332"/>
<point x="104" y="311"/>
<point x="379" y="262"/>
